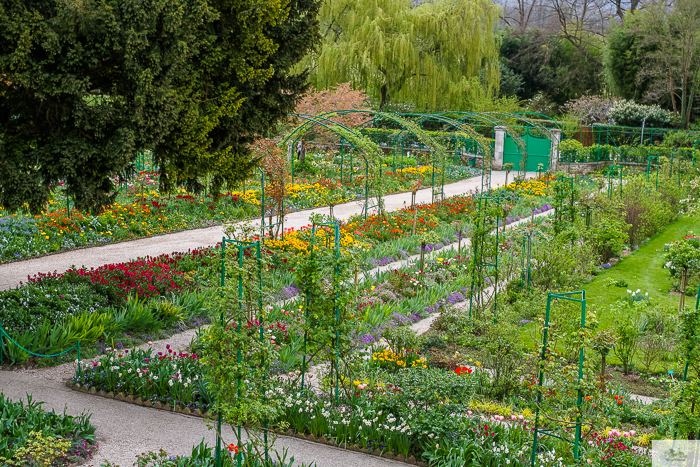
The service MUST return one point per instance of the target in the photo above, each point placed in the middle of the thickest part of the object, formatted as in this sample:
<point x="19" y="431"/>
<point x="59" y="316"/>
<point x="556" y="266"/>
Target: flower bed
<point x="31" y="436"/>
<point x="171" y="378"/>
<point x="140" y="211"/>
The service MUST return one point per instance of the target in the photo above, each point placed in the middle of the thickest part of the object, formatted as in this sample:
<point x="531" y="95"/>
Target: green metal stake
<point x="577" y="440"/>
<point x="306" y="312"/>
<point x="80" y="370"/>
<point x="221" y="319"/>
<point x="262" y="324"/>
<point x="540" y="381"/>
<point x="670" y="172"/>
<point x="579" y="398"/>
<point x="239" y="356"/>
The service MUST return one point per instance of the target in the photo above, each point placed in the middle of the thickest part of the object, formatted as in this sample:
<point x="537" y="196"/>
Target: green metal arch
<point x="316" y="120"/>
<point x="525" y="112"/>
<point x="463" y="127"/>
<point x="491" y="119"/>
<point x="387" y="116"/>
<point x="528" y="121"/>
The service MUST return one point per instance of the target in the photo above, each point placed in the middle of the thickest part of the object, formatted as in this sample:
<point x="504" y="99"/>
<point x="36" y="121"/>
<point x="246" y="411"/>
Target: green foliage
<point x="511" y="83"/>
<point x="629" y="113"/>
<point x="406" y="53"/>
<point x="681" y="139"/>
<point x="646" y="210"/>
<point x="683" y="255"/>
<point x="82" y="97"/>
<point x="550" y="67"/>
<point x="623" y="61"/>
<point x="63" y="60"/>
<point x="239" y="85"/>
<point x="626" y="327"/>
<point x="504" y="354"/>
<point x="570" y="145"/>
<point x="608" y="237"/>
<point x="204" y="456"/>
<point x="689" y="334"/>
<point x="39" y="450"/>
<point x="29" y="434"/>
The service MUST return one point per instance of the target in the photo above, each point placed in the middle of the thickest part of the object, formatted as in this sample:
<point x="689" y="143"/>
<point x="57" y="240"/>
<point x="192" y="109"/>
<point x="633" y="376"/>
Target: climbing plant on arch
<point x="367" y="150"/>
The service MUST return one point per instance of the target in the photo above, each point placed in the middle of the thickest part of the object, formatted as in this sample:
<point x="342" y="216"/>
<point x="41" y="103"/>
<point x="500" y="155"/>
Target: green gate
<point x="538" y="151"/>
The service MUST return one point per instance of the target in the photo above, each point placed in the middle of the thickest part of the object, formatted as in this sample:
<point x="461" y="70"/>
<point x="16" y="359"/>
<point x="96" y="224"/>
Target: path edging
<point x="411" y="460"/>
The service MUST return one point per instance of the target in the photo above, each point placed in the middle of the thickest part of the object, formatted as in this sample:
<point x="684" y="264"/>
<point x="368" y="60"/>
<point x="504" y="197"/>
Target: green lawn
<point x="642" y="270"/>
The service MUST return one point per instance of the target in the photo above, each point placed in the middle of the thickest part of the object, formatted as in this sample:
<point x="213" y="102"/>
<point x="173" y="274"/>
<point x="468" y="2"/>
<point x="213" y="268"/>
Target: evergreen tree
<point x="87" y="85"/>
<point x="623" y="61"/>
<point x="259" y="86"/>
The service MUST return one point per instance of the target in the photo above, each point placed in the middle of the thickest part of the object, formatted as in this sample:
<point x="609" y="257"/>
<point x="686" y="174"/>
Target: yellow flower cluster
<point x="295" y="242"/>
<point x="389" y="356"/>
<point x="249" y="196"/>
<point x="530" y="188"/>
<point x="422" y="171"/>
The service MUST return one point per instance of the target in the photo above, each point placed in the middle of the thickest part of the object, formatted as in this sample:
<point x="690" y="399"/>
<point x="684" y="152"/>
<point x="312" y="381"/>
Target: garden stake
<point x="478" y="264"/>
<point x="540" y="381"/>
<point x="80" y="370"/>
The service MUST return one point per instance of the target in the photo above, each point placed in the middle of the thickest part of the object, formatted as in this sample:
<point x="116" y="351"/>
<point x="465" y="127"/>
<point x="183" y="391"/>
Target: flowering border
<point x="197" y="413"/>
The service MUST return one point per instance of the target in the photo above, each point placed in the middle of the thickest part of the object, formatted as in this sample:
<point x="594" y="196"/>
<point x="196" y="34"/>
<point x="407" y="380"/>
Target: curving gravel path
<point x="126" y="430"/>
<point x="11" y="274"/>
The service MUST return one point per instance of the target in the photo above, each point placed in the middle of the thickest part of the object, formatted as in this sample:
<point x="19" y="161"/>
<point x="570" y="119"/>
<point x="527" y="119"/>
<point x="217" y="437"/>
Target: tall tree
<point x="623" y="62"/>
<point x="85" y="86"/>
<point x="240" y="85"/>
<point x="93" y="83"/>
<point x="672" y="64"/>
<point x="549" y="64"/>
<point x="439" y="54"/>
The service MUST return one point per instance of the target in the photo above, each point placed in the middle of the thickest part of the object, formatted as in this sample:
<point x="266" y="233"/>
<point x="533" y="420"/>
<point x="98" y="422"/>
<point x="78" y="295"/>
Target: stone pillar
<point x="556" y="139"/>
<point x="498" y="148"/>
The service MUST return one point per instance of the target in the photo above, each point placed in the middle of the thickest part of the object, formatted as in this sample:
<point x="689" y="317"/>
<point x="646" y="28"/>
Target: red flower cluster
<point x="463" y="370"/>
<point x="390" y="226"/>
<point x="144" y="277"/>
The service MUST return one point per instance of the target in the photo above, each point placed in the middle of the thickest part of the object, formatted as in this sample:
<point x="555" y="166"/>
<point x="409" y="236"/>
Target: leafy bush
<point x="608" y="237"/>
<point x="648" y="211"/>
<point x="629" y="113"/>
<point x="30" y="436"/>
<point x="681" y="139"/>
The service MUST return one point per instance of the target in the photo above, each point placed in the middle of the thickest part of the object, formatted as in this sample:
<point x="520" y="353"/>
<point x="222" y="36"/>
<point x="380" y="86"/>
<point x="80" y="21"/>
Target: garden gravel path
<point x="11" y="274"/>
<point x="126" y="430"/>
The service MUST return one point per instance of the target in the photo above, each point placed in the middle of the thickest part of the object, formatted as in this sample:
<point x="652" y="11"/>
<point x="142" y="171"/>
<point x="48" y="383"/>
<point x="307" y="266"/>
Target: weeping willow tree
<point x="440" y="54"/>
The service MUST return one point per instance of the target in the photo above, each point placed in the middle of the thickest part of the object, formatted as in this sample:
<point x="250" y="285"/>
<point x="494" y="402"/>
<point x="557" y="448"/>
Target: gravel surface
<point x="126" y="430"/>
<point x="11" y="274"/>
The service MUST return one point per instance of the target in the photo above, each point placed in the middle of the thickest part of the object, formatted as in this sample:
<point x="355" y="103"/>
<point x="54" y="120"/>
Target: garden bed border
<point x="216" y="224"/>
<point x="411" y="460"/>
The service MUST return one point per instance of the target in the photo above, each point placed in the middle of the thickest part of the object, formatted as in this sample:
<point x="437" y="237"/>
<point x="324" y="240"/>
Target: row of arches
<point x="465" y="127"/>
